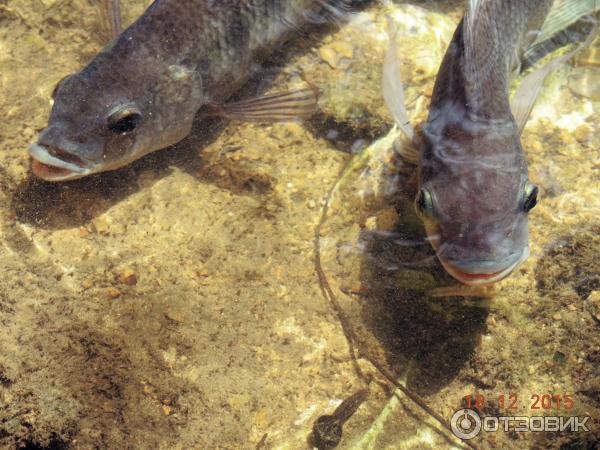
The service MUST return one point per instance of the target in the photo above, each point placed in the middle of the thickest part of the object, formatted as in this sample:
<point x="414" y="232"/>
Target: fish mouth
<point x="55" y="164"/>
<point x="474" y="273"/>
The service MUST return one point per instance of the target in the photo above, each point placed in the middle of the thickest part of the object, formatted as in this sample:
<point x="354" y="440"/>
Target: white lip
<point x="492" y="279"/>
<point x="40" y="153"/>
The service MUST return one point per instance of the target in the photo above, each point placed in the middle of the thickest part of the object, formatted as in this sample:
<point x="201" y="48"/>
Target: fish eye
<point x="530" y="196"/>
<point x="424" y="202"/>
<point x="124" y="120"/>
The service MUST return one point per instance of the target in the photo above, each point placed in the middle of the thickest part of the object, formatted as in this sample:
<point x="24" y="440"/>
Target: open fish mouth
<point x="54" y="164"/>
<point x="479" y="277"/>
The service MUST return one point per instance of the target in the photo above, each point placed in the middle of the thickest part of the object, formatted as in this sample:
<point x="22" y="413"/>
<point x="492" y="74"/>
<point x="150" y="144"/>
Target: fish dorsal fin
<point x="527" y="92"/>
<point x="285" y="106"/>
<point x="471" y="13"/>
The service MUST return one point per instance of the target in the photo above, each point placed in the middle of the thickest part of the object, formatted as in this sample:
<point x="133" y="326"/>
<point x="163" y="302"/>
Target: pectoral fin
<point x="392" y="87"/>
<point x="277" y="107"/>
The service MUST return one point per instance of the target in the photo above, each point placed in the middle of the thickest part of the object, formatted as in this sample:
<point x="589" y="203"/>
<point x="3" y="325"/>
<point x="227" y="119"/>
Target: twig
<point x="349" y="333"/>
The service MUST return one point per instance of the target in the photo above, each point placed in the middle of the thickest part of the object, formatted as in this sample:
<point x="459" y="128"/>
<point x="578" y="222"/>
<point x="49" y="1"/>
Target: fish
<point x="562" y="23"/>
<point x="181" y="58"/>
<point x="473" y="192"/>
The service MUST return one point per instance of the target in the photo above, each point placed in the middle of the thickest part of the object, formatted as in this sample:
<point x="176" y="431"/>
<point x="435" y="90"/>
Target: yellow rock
<point x="328" y="55"/>
<point x="583" y="132"/>
<point x="100" y="225"/>
<point x="128" y="276"/>
<point x="113" y="293"/>
<point x="336" y="54"/>
<point x="343" y="49"/>
<point x="260" y="418"/>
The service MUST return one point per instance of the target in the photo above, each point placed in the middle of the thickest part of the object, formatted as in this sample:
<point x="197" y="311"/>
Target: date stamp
<point x="546" y="409"/>
<point x="511" y="402"/>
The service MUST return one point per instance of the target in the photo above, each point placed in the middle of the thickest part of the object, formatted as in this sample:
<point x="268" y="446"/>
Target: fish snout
<point x="481" y="272"/>
<point x="56" y="164"/>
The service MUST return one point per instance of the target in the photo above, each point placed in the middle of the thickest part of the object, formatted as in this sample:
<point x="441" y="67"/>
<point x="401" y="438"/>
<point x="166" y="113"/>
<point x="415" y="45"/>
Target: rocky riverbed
<point x="175" y="303"/>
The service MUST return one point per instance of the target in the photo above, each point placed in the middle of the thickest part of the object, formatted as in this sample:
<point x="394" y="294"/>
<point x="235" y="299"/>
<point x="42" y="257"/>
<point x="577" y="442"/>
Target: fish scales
<point x="221" y="38"/>
<point x="474" y="189"/>
<point x="491" y="39"/>
<point x="142" y="91"/>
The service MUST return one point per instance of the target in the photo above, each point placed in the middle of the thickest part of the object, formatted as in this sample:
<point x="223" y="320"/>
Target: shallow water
<point x="176" y="303"/>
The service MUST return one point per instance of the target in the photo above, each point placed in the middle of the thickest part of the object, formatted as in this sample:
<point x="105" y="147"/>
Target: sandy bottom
<point x="175" y="303"/>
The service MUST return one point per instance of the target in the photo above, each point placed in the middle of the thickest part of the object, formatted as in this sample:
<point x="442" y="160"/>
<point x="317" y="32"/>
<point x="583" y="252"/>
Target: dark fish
<point x="561" y="27"/>
<point x="142" y="91"/>
<point x="474" y="192"/>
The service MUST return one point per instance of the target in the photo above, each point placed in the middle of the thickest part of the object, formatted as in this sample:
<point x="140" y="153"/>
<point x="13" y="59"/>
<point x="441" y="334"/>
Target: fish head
<point x="103" y="119"/>
<point x="474" y="196"/>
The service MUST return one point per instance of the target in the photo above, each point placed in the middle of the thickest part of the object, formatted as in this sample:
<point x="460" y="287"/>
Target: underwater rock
<point x="585" y="81"/>
<point x="220" y="236"/>
<point x="593" y="304"/>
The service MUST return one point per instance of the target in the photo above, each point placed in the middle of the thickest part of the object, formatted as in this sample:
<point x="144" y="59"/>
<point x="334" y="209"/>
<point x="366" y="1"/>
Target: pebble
<point x="583" y="133"/>
<point x="113" y="293"/>
<point x="128" y="276"/>
<point x="100" y="225"/>
<point x="337" y="54"/>
<point x="175" y="316"/>
<point x="593" y="304"/>
<point x="584" y="82"/>
<point x="566" y="137"/>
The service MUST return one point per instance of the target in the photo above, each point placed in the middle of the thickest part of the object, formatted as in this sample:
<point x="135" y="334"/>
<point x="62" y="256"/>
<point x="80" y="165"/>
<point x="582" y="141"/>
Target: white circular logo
<point x="465" y="424"/>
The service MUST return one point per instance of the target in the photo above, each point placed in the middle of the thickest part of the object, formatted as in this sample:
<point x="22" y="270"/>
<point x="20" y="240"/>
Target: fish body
<point x="142" y="91"/>
<point x="474" y="189"/>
